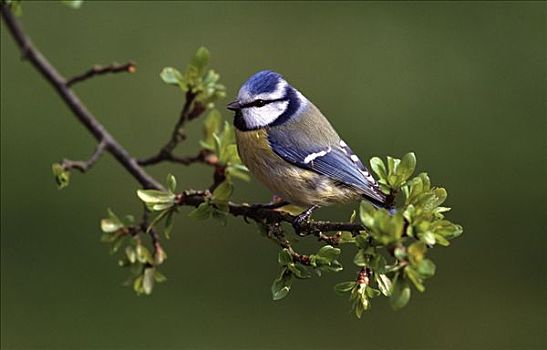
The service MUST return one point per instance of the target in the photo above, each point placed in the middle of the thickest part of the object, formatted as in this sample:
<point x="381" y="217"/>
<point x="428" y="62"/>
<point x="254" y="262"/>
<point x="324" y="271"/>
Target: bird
<point x="291" y="147"/>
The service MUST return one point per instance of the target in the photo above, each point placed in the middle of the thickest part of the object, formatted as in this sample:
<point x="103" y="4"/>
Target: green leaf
<point x="346" y="237"/>
<point x="108" y="225"/>
<point x="220" y="216"/>
<point x="137" y="285"/>
<point x="378" y="263"/>
<point x="367" y="213"/>
<point x="284" y="257"/>
<point x="148" y="280"/>
<point x="201" y="59"/>
<point x="131" y="254"/>
<point x="426" y="268"/>
<point x="159" y="206"/>
<point x="344" y="287"/>
<point x="108" y="237"/>
<point x="112" y="223"/>
<point x="238" y="171"/>
<point x="171" y="182"/>
<point x="62" y="176"/>
<point x="362" y="241"/>
<point x="159" y="277"/>
<point x="299" y="271"/>
<point x="168" y="224"/>
<point x="329" y="252"/>
<point x="386" y="228"/>
<point x="202" y="212"/>
<point x="117" y="243"/>
<point x="372" y="292"/>
<point x="158" y="218"/>
<point x="378" y="167"/>
<point x="211" y="125"/>
<point x="223" y="192"/>
<point x="415" y="278"/>
<point x="155" y="196"/>
<point x="384" y="284"/>
<point x="334" y="266"/>
<point x="159" y="256"/>
<point x="407" y="166"/>
<point x="172" y="76"/>
<point x="400" y="293"/>
<point x="447" y="229"/>
<point x="353" y="217"/>
<point x="362" y="303"/>
<point x="282" y="285"/>
<point x="400" y="252"/>
<point x="416" y="252"/>
<point x="360" y="259"/>
<point x="143" y="254"/>
<point x="427" y="237"/>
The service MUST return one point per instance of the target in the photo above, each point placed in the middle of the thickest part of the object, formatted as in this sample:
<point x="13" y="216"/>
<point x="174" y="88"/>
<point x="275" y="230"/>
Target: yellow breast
<point x="297" y="185"/>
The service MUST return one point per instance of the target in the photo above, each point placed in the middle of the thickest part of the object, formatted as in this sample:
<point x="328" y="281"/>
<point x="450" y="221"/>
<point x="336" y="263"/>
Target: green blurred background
<point x="461" y="84"/>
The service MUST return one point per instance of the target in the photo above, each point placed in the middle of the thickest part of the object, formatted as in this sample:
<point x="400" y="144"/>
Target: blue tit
<point x="290" y="147"/>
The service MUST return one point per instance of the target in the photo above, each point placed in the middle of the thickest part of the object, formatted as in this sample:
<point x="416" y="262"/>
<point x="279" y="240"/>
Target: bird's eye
<point x="259" y="103"/>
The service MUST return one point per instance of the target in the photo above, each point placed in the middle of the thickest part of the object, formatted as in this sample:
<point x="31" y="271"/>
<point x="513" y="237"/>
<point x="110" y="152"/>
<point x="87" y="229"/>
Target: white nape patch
<point x="258" y="117"/>
<point x="311" y="157"/>
<point x="344" y="146"/>
<point x="303" y="101"/>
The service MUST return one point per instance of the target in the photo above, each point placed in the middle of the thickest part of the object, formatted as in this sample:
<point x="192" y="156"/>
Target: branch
<point x="100" y="70"/>
<point x="270" y="216"/>
<point x="190" y="110"/>
<point x="84" y="166"/>
<point x="80" y="111"/>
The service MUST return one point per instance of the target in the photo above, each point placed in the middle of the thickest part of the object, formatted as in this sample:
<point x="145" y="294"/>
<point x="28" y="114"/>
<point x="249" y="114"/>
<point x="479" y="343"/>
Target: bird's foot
<point x="303" y="219"/>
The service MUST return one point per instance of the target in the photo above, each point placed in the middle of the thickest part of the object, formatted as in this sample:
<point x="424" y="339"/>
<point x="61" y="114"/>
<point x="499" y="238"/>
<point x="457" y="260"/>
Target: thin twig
<point x="154" y="236"/>
<point x="190" y="110"/>
<point x="130" y="67"/>
<point x="85" y="165"/>
<point x="275" y="232"/>
<point x="204" y="156"/>
<point x="79" y="110"/>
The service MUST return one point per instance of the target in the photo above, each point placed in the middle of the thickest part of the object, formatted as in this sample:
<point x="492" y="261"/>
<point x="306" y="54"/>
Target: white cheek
<point x="257" y="117"/>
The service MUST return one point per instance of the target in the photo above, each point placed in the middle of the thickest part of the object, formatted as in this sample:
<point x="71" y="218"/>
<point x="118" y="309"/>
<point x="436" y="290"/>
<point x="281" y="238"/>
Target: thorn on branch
<point x="129" y="67"/>
<point x="84" y="166"/>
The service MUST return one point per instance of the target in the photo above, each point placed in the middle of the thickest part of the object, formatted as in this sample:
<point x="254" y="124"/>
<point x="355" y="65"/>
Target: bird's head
<point x="265" y="99"/>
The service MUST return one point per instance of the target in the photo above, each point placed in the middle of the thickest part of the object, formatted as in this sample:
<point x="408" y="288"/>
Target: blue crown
<point x="262" y="82"/>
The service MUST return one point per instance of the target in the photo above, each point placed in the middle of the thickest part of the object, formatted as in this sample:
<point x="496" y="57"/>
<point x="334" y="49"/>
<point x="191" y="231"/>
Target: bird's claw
<point x="301" y="220"/>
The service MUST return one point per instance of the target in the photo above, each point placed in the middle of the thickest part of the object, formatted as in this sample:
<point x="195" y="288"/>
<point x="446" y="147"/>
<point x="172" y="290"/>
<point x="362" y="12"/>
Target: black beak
<point x="234" y="106"/>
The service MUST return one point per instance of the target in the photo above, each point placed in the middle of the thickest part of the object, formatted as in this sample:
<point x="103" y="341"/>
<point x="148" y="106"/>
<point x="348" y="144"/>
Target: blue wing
<point x="336" y="162"/>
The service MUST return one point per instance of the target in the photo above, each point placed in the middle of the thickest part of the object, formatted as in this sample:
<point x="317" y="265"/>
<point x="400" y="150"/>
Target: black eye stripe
<point x="262" y="103"/>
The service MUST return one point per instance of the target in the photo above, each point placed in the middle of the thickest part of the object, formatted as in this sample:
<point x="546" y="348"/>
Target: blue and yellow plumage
<point x="290" y="147"/>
